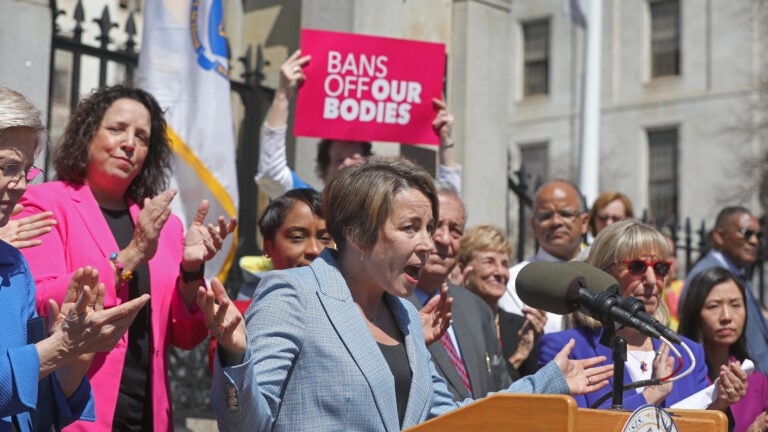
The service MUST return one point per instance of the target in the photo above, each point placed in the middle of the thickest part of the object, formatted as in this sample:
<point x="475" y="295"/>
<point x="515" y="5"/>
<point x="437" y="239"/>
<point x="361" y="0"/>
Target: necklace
<point x="642" y="357"/>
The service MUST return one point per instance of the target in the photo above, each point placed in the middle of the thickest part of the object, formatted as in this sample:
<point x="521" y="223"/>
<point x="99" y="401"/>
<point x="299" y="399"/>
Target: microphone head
<point x="552" y="287"/>
<point x="596" y="279"/>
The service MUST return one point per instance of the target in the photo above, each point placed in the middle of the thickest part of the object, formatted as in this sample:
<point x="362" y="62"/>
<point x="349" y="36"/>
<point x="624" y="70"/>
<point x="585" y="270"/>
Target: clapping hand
<point x="528" y="335"/>
<point x="663" y="364"/>
<point x="82" y="325"/>
<point x="150" y="222"/>
<point x="222" y="318"/>
<point x="731" y="385"/>
<point x="202" y="242"/>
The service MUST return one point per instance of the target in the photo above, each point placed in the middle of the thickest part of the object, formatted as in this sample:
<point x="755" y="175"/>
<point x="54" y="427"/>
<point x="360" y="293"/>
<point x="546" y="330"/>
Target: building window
<point x="663" y="175"/>
<point x="535" y="159"/>
<point x="535" y="164"/>
<point x="665" y="38"/>
<point x="536" y="57"/>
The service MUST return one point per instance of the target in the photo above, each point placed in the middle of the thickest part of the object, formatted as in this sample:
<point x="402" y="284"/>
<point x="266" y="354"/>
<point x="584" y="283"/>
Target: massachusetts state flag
<point x="183" y="63"/>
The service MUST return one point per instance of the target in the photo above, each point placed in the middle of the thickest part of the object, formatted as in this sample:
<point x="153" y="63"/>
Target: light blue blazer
<point x="313" y="364"/>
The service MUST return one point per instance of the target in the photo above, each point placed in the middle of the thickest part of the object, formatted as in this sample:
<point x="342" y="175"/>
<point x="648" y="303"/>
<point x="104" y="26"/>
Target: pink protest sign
<point x="367" y="88"/>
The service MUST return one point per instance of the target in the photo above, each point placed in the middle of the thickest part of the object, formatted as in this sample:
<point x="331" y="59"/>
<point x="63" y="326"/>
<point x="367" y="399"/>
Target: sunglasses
<point x="748" y="233"/>
<point x="638" y="267"/>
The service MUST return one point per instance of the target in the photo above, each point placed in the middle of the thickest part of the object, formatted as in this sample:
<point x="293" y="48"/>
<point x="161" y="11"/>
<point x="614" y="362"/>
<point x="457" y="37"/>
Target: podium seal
<point x="650" y="418"/>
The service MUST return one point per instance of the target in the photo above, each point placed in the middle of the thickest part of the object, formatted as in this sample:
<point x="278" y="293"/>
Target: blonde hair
<point x="623" y="240"/>
<point x="483" y="238"/>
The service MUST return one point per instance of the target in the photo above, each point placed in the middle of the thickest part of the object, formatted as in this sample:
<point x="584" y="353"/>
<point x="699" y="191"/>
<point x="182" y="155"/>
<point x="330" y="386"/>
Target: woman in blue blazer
<point x="633" y="252"/>
<point x="336" y="345"/>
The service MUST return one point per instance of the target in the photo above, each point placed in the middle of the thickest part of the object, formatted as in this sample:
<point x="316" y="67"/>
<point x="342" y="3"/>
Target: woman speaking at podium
<point x="336" y="345"/>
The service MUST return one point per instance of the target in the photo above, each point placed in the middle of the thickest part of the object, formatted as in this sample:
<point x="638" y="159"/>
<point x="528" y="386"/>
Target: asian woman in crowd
<point x="714" y="315"/>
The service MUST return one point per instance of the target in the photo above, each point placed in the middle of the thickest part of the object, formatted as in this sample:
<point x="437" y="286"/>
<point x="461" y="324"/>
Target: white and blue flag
<point x="183" y="63"/>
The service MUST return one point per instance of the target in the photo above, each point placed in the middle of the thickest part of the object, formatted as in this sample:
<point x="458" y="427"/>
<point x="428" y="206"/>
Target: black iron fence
<point x="691" y="242"/>
<point x="87" y="54"/>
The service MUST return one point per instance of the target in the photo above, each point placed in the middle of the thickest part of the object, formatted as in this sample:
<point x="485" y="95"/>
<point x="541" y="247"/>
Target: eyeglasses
<point x="565" y="214"/>
<point x="16" y="172"/>
<point x="748" y="233"/>
<point x="638" y="267"/>
<point x="607" y="217"/>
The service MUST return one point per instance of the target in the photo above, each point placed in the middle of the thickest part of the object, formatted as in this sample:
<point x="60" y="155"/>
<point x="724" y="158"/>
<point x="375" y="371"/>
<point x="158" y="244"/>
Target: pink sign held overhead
<point x="367" y="88"/>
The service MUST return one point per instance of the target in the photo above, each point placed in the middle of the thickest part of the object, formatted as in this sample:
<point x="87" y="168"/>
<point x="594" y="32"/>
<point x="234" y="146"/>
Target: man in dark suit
<point x="735" y="241"/>
<point x="468" y="356"/>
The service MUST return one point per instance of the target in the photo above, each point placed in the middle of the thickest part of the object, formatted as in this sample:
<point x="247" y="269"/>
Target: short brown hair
<point x="357" y="200"/>
<point x="483" y="238"/>
<point x="603" y="200"/>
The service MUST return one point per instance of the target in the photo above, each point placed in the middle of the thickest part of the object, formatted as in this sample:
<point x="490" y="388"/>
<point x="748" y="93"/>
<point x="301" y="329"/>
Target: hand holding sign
<point x="365" y="88"/>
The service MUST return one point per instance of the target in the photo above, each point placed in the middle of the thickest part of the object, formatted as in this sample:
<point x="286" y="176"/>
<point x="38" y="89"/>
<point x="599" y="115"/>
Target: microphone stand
<point x="618" y="346"/>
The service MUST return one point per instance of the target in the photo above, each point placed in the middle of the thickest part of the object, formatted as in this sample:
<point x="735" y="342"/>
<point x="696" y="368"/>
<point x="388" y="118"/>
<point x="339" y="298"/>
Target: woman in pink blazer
<point x="113" y="213"/>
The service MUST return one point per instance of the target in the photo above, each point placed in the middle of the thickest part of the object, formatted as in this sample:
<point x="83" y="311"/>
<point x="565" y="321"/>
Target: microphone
<point x="598" y="280"/>
<point x="636" y="308"/>
<point x="561" y="289"/>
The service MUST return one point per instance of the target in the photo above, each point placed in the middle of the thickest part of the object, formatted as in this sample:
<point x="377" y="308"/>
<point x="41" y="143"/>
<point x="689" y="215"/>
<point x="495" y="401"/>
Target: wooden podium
<point x="554" y="413"/>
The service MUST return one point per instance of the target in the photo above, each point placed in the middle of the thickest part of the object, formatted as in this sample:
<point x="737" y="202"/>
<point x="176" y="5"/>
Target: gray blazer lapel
<point x="443" y="363"/>
<point x="345" y="317"/>
<point x="472" y="350"/>
<point x="421" y="381"/>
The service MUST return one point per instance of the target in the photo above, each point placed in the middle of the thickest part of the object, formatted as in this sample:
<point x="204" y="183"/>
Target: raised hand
<point x="203" y="242"/>
<point x="582" y="376"/>
<point x="731" y="385"/>
<point x="663" y="364"/>
<point x="436" y="316"/>
<point x="25" y="232"/>
<point x="528" y="335"/>
<point x="443" y="123"/>
<point x="149" y="223"/>
<point x="292" y="72"/>
<point x="222" y="318"/>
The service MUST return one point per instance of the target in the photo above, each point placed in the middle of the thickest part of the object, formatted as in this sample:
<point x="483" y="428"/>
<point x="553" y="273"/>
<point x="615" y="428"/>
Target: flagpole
<point x="589" y="156"/>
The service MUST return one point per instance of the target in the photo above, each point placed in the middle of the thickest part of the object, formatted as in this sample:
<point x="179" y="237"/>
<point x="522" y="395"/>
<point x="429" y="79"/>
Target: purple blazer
<point x="588" y="345"/>
<point x="752" y="404"/>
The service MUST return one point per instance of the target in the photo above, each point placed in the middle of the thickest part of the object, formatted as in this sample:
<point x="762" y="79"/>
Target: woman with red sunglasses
<point x="633" y="253"/>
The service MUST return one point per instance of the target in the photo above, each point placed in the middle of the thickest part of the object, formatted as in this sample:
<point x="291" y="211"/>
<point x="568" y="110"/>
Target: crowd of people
<point x="383" y="310"/>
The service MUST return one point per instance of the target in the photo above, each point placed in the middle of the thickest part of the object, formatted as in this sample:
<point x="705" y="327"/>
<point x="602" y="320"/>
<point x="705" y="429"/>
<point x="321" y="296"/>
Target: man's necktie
<point x="458" y="363"/>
